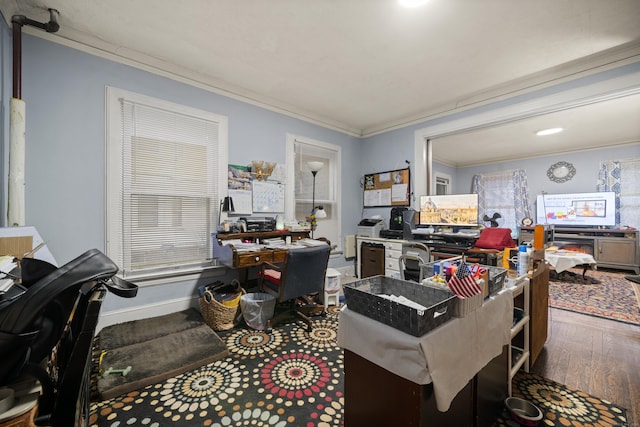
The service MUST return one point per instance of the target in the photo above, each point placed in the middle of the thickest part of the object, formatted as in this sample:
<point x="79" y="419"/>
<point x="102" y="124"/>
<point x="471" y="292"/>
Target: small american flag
<point x="463" y="284"/>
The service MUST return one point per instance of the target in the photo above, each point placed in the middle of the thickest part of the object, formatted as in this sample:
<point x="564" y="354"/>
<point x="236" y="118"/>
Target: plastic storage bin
<point x="331" y="294"/>
<point x="332" y="281"/>
<point x="364" y="297"/>
<point x="497" y="275"/>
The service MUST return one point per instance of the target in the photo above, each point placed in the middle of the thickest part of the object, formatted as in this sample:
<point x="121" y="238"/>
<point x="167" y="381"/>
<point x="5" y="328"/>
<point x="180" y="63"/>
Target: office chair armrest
<point x="266" y="265"/>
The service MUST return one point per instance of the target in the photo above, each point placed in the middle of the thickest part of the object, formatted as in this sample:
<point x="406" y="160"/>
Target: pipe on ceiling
<point x="17" y="125"/>
<point x="18" y="22"/>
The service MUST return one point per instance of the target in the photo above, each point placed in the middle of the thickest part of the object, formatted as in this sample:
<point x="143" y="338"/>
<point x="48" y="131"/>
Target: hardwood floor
<point x="598" y="356"/>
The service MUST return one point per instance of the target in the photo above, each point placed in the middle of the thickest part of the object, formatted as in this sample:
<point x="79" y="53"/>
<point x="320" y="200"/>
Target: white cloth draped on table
<point x="449" y="356"/>
<point x="562" y="260"/>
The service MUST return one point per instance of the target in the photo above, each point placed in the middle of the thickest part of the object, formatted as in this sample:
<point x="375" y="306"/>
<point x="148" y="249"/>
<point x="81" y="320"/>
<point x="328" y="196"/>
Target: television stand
<point x="612" y="248"/>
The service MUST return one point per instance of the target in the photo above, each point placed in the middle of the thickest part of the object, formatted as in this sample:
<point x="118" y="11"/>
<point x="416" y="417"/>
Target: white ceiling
<point x="613" y="122"/>
<point x="359" y="66"/>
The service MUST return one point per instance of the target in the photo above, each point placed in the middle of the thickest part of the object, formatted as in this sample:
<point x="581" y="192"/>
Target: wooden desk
<point x="25" y="406"/>
<point x="24" y="420"/>
<point x="229" y="256"/>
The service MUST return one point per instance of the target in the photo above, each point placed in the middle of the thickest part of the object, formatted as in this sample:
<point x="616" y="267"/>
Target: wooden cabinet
<point x="610" y="248"/>
<point x="538" y="309"/>
<point x="377" y="397"/>
<point x="371" y="260"/>
<point x="616" y="252"/>
<point x="391" y="249"/>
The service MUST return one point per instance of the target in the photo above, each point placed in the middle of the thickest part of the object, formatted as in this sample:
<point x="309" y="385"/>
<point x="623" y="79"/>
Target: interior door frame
<point x="559" y="100"/>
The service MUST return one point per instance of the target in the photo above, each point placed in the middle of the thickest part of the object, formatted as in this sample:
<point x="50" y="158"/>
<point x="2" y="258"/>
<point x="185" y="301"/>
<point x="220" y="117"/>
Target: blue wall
<point x="64" y="90"/>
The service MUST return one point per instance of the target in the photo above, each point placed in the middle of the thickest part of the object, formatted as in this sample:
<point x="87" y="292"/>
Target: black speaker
<point x="397" y="219"/>
<point x="409" y="222"/>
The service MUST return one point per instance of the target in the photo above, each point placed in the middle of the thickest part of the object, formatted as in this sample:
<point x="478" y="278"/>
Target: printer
<point x="259" y="224"/>
<point x="370" y="227"/>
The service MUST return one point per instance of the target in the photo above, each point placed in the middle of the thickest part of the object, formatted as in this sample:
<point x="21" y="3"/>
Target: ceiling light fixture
<point x="550" y="131"/>
<point x="412" y="3"/>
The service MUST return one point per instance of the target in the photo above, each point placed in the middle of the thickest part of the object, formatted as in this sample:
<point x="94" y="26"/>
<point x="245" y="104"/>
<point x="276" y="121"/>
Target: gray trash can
<point x="257" y="309"/>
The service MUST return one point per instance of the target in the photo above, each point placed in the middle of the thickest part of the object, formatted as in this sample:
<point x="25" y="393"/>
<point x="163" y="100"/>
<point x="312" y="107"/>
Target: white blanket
<point x="562" y="260"/>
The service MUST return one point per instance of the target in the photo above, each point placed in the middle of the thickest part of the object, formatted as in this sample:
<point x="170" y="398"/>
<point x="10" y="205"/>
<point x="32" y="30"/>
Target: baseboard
<point x="143" y="312"/>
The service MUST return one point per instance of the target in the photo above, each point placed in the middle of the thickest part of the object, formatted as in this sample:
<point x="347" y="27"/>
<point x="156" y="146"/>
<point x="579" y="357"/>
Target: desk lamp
<point x="226" y="205"/>
<point x="316" y="211"/>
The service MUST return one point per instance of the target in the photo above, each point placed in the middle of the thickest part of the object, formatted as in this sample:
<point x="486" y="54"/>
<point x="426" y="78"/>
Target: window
<point x="442" y="183"/>
<point x="504" y="193"/>
<point x="623" y="178"/>
<point x="327" y="185"/>
<point x="166" y="170"/>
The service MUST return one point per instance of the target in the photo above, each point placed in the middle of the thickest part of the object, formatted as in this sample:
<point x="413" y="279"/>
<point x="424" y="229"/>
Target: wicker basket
<point x="461" y="307"/>
<point x="220" y="316"/>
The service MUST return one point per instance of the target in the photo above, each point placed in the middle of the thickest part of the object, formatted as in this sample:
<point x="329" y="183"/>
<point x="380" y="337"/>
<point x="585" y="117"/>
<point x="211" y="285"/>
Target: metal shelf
<point x="519" y="357"/>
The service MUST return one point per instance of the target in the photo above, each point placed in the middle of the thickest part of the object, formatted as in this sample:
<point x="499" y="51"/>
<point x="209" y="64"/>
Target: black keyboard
<point x="449" y="245"/>
<point x="391" y="234"/>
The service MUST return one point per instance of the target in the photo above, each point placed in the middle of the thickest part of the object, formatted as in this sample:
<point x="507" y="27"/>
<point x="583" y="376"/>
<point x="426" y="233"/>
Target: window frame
<point x="447" y="184"/>
<point x="335" y="169"/>
<point x="114" y="176"/>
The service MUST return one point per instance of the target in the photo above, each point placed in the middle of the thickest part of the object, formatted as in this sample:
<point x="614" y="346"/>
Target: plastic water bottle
<point x="523" y="260"/>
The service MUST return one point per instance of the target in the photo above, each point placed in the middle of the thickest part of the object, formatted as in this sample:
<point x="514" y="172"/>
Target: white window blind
<point x="168" y="163"/>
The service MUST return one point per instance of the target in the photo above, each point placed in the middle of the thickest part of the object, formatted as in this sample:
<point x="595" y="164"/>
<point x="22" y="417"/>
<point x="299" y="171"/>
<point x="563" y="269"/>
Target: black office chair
<point x="47" y="332"/>
<point x="301" y="274"/>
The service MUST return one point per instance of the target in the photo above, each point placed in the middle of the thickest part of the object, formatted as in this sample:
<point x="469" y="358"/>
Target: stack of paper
<point x="404" y="301"/>
<point x="7" y="263"/>
<point x="311" y="242"/>
<point x="275" y="242"/>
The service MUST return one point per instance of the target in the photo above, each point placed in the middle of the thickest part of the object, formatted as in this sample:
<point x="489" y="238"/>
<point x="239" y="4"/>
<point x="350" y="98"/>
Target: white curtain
<point x="623" y="178"/>
<point x="505" y="193"/>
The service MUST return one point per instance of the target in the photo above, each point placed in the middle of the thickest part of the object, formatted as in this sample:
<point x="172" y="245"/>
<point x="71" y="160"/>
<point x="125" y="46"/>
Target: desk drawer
<point x="279" y="256"/>
<point x="253" y="258"/>
<point x="249" y="259"/>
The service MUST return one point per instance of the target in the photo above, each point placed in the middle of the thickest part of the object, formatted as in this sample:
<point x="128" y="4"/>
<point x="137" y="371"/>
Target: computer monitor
<point x="449" y="210"/>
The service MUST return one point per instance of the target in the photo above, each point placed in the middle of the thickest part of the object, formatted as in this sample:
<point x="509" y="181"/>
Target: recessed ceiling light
<point x="412" y="3"/>
<point x="550" y="131"/>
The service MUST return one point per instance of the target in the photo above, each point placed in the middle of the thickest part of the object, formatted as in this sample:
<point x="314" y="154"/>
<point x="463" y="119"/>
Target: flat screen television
<point x="449" y="210"/>
<point x="577" y="209"/>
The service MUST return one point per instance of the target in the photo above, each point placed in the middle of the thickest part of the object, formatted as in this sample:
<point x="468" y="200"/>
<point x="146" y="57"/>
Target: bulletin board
<point x="390" y="188"/>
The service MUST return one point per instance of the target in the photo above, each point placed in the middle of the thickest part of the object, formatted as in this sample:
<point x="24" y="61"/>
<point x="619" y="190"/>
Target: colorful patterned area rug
<point x="293" y="378"/>
<point x="562" y="406"/>
<point x="613" y="297"/>
<point x="288" y="377"/>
